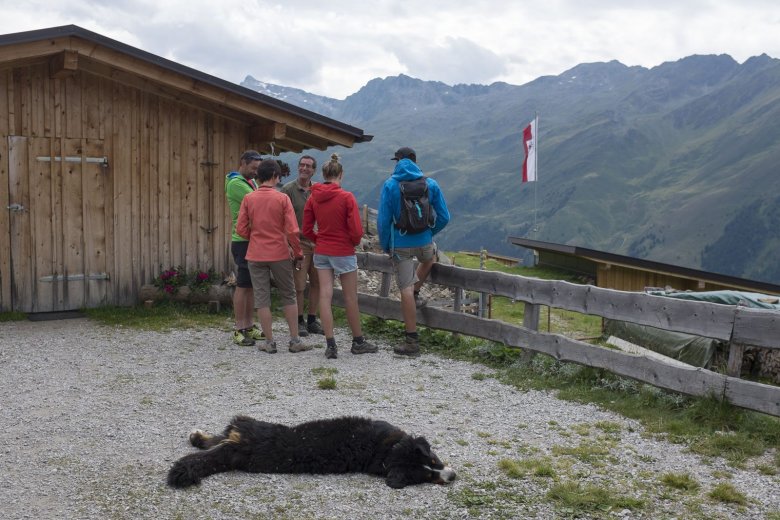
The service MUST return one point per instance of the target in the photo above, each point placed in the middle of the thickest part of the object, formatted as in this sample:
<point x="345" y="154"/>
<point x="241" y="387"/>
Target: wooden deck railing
<point x="738" y="325"/>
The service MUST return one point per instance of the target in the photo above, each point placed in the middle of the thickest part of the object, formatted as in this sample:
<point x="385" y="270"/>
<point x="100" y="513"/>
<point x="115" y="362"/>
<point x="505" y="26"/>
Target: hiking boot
<point x="302" y="330"/>
<point x="410" y="347"/>
<point x="331" y="352"/>
<point x="254" y="332"/>
<point x="296" y="345"/>
<point x="363" y="348"/>
<point x="315" y="328"/>
<point x="242" y="339"/>
<point x="267" y="346"/>
<point x="419" y="301"/>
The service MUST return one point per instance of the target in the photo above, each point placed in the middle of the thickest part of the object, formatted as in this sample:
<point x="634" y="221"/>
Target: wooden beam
<point x="64" y="64"/>
<point x="267" y="132"/>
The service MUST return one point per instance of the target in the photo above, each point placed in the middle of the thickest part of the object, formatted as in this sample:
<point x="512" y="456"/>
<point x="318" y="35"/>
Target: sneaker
<point x="410" y="347"/>
<point x="315" y="328"/>
<point x="419" y="301"/>
<point x="331" y="352"/>
<point x="302" y="330"/>
<point x="254" y="332"/>
<point x="240" y="338"/>
<point x="363" y="348"/>
<point x="267" y="346"/>
<point x="296" y="345"/>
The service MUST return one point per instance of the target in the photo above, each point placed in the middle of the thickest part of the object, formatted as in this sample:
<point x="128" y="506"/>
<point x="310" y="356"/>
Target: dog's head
<point x="412" y="461"/>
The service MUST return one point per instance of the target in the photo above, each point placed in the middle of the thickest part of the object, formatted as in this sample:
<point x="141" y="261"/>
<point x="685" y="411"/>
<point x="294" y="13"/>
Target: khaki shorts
<point x="403" y="263"/>
<point x="307" y="267"/>
<point x="282" y="271"/>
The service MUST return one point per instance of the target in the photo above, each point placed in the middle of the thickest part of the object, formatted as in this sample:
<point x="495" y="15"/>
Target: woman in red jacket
<point x="337" y="217"/>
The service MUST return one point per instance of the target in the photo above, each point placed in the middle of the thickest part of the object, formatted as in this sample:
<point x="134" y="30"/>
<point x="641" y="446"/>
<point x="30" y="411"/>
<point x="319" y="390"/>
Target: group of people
<point x="306" y="232"/>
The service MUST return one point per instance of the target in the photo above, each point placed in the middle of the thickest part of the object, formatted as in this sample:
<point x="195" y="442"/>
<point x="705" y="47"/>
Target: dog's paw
<point x="198" y="438"/>
<point x="181" y="476"/>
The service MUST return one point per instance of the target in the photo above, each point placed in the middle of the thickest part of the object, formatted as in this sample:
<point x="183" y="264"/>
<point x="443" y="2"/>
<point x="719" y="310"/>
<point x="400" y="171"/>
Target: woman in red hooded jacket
<point x="337" y="217"/>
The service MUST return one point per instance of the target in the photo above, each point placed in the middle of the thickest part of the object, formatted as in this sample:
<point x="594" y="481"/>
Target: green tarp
<point x="694" y="350"/>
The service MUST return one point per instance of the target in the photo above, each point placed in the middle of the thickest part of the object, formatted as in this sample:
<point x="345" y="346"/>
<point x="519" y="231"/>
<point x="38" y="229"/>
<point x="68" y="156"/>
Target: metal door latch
<point x="16" y="207"/>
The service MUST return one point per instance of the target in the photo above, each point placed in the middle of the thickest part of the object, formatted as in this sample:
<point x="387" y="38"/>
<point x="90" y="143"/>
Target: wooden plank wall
<point x="161" y="201"/>
<point x="6" y="123"/>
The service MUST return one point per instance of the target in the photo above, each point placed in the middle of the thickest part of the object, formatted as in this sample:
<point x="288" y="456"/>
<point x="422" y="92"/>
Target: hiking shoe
<point x="331" y="352"/>
<point x="296" y="345"/>
<point x="363" y="348"/>
<point x="315" y="328"/>
<point x="242" y="339"/>
<point x="419" y="301"/>
<point x="302" y="330"/>
<point x="410" y="347"/>
<point x="267" y="346"/>
<point x="254" y="332"/>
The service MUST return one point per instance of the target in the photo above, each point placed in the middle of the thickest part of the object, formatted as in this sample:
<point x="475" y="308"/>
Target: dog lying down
<point x="341" y="445"/>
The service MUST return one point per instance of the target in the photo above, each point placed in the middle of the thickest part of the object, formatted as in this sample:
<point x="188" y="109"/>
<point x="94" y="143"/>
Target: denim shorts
<point x="339" y="264"/>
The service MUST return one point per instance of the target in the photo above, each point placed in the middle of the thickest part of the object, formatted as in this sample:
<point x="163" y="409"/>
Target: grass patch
<point x="12" y="316"/>
<point x="327" y="383"/>
<point x="588" y="452"/>
<point x="727" y="493"/>
<point x="681" y="481"/>
<point x="520" y="468"/>
<point x="162" y="317"/>
<point x="575" y="500"/>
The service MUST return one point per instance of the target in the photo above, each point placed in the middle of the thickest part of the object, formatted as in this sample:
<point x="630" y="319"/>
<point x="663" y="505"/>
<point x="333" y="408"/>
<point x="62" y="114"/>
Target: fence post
<point x="482" y="296"/>
<point x="734" y="367"/>
<point x="530" y="321"/>
<point x="457" y="305"/>
<point x="384" y="289"/>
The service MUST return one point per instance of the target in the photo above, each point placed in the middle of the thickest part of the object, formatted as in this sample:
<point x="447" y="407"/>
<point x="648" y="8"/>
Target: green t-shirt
<point x="236" y="188"/>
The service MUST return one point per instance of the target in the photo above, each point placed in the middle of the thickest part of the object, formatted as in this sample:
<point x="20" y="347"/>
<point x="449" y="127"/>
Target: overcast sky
<point x="334" y="47"/>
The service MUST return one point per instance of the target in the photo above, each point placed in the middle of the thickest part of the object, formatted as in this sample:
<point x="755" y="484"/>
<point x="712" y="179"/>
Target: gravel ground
<point x="92" y="418"/>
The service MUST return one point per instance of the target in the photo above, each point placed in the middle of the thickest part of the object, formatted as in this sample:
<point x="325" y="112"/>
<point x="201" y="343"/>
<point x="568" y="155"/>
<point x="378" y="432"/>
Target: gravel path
<point x="92" y="418"/>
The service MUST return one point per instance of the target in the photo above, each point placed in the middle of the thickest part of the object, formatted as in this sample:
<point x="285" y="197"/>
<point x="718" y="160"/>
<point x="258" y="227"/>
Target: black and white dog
<point x="341" y="445"/>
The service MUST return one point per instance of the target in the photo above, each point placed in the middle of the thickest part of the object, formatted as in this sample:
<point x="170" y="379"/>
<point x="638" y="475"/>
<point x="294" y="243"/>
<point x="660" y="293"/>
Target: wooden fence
<point x="739" y="326"/>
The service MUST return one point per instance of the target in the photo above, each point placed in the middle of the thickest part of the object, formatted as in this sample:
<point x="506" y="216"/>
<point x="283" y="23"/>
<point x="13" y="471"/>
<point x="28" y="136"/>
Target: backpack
<point x="417" y="214"/>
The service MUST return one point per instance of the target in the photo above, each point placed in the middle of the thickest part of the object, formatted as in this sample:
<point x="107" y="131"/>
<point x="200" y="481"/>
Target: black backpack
<point x="417" y="214"/>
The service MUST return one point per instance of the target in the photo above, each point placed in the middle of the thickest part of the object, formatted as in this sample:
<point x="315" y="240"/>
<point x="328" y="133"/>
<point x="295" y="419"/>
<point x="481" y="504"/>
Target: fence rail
<point x="741" y="326"/>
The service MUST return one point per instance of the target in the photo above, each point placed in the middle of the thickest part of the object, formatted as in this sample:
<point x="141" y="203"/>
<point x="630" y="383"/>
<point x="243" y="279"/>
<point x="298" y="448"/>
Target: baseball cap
<point x="405" y="153"/>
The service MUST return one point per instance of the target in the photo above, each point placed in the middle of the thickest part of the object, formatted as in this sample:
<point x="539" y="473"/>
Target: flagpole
<point x="536" y="162"/>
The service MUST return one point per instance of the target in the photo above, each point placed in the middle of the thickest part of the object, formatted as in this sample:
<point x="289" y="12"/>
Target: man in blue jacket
<point x="404" y="247"/>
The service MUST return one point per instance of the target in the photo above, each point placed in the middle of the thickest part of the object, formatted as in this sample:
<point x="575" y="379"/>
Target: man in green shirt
<point x="238" y="184"/>
<point x="299" y="190"/>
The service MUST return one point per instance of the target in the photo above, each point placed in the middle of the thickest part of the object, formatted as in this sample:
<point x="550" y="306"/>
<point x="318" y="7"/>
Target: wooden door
<point x="58" y="229"/>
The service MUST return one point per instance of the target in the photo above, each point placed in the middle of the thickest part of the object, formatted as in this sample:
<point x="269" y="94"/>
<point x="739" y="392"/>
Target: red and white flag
<point x="529" y="145"/>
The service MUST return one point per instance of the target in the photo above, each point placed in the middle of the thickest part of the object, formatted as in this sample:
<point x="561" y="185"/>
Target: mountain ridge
<point x="676" y="163"/>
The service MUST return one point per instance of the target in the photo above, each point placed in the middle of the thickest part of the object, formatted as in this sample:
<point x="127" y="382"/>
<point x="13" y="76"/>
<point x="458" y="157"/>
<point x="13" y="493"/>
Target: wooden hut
<point x="112" y="165"/>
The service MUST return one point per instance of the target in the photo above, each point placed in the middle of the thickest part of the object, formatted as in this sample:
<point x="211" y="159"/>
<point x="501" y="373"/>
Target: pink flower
<point x="169" y="288"/>
<point x="203" y="276"/>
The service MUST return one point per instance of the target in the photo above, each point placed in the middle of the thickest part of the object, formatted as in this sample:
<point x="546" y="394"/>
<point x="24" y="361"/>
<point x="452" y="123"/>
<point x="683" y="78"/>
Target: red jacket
<point x="338" y="220"/>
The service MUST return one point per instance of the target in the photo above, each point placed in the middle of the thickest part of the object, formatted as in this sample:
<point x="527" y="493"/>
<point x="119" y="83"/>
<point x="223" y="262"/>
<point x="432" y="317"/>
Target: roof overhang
<point x="70" y="48"/>
<point x="610" y="259"/>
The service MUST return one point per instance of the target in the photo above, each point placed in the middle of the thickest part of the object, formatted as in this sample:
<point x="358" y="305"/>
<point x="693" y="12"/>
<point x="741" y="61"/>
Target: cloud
<point x="455" y="60"/>
<point x="333" y="48"/>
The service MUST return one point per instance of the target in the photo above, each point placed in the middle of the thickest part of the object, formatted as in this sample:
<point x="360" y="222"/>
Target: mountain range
<point x="677" y="163"/>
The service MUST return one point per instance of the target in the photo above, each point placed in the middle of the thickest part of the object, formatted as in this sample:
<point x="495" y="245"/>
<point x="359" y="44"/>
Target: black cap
<point x="405" y="153"/>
